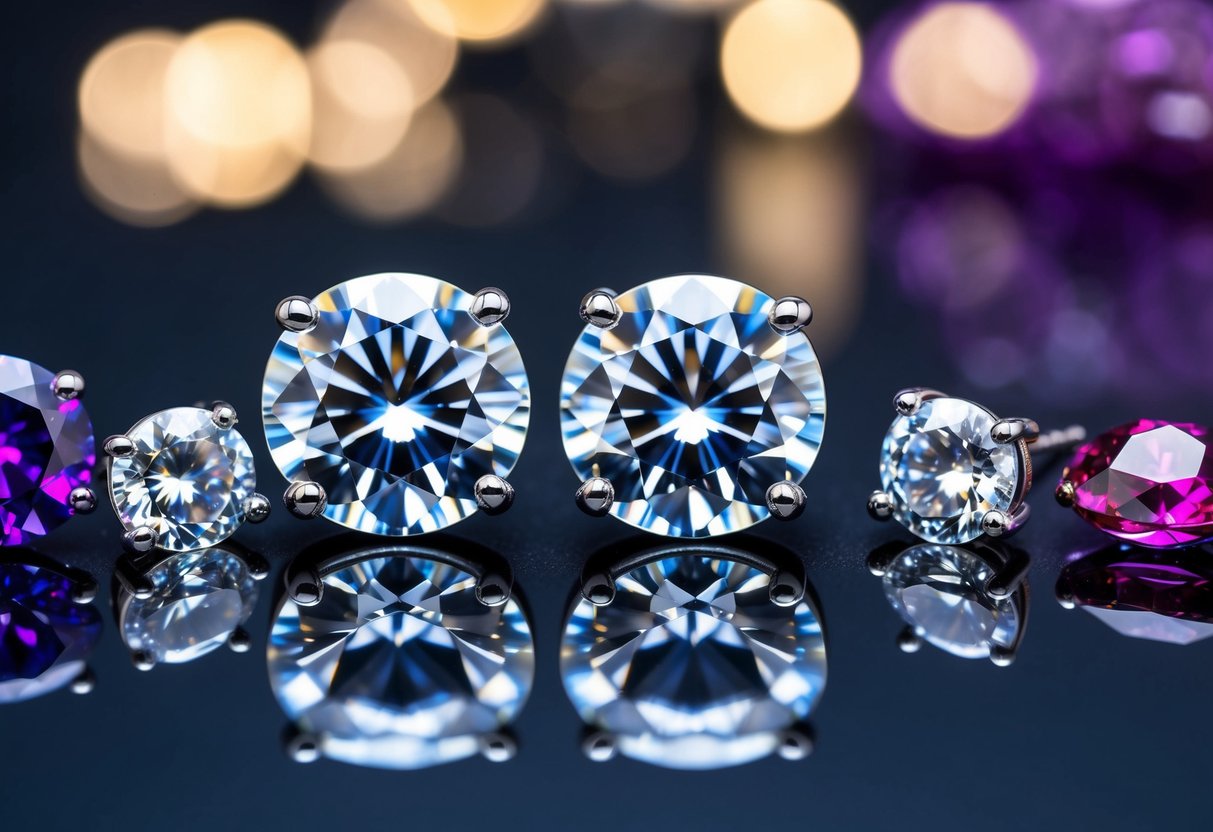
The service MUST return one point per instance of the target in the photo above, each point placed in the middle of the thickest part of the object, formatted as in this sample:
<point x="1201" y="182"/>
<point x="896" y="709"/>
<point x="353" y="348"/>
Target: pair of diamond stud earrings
<point x="397" y="404"/>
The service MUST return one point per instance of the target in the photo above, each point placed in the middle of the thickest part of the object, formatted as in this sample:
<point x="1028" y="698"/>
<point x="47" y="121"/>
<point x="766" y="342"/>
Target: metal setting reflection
<point x="175" y="609"/>
<point x="970" y="601"/>
<point x="695" y="658"/>
<point x="400" y="657"/>
<point x="48" y="626"/>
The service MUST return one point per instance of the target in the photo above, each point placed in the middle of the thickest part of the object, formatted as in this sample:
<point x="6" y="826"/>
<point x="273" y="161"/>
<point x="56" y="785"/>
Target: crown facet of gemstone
<point x="399" y="665"/>
<point x="692" y="406"/>
<point x="691" y="665"/>
<point x="46" y="450"/>
<point x="1149" y="482"/>
<point x="188" y="479"/>
<point x="396" y="402"/>
<point x="944" y="471"/>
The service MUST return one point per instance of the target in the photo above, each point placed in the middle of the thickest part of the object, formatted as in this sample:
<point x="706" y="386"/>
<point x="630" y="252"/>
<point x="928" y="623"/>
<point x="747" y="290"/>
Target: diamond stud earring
<point x="692" y="406"/>
<point x="46" y="439"/>
<point x="951" y="471"/>
<point x="396" y="404"/>
<point x="183" y="479"/>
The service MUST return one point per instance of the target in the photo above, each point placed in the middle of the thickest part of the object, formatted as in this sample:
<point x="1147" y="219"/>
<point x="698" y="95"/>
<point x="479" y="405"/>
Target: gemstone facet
<point x="46" y="451"/>
<point x="188" y="479"/>
<point x="399" y="665"/>
<point x="691" y="665"/>
<point x="1149" y="482"/>
<point x="396" y="402"/>
<point x="692" y="406"/>
<point x="944" y="471"/>
<point x="198" y="600"/>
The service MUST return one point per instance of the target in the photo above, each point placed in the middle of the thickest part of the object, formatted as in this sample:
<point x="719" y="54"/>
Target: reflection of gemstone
<point x="198" y="600"/>
<point x="944" y="471"/>
<point x="692" y="406"/>
<point x="45" y="636"/>
<point x="399" y="665"/>
<point x="396" y="402"/>
<point x="188" y="479"/>
<point x="942" y="592"/>
<point x="1161" y="596"/>
<point x="46" y="450"/>
<point x="691" y="665"/>
<point x="1149" y="481"/>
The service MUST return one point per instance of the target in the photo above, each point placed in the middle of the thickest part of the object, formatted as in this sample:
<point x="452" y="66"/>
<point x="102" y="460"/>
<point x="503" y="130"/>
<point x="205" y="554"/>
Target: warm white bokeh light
<point x="121" y="93"/>
<point x="136" y="191"/>
<point x="479" y="21"/>
<point x="791" y="65"/>
<point x="963" y="70"/>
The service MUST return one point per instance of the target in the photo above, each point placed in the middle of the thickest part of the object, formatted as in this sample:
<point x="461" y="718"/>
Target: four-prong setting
<point x="490" y="306"/>
<point x="790" y="314"/>
<point x="598" y="308"/>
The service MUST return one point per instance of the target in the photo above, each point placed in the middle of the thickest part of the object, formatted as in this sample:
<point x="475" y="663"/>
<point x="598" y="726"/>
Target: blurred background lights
<point x="963" y="70"/>
<point x="134" y="190"/>
<point x="480" y="21"/>
<point x="791" y="65"/>
<point x="121" y="96"/>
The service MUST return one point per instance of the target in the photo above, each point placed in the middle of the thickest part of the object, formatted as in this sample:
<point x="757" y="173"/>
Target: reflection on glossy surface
<point x="48" y="627"/>
<point x="970" y="601"/>
<point x="399" y="658"/>
<point x="1144" y="593"/>
<point x="694" y="658"/>
<point x="182" y="607"/>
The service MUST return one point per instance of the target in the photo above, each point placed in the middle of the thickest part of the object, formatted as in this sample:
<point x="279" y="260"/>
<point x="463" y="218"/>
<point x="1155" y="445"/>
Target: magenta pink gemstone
<point x="1150" y="482"/>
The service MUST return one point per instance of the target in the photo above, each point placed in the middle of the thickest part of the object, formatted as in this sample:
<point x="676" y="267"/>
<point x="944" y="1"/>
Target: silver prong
<point x="909" y="640"/>
<point x="239" y="641"/>
<point x="296" y="314"/>
<point x="256" y="508"/>
<point x="797" y="743"/>
<point x="84" y="589"/>
<point x="997" y="523"/>
<point x="140" y="539"/>
<point x="494" y="494"/>
<point x="223" y="415"/>
<point x="493" y="590"/>
<point x="1002" y="656"/>
<point x="84" y="682"/>
<point x="1065" y="494"/>
<point x="790" y="314"/>
<point x="786" y="589"/>
<point x="498" y="747"/>
<point x="880" y="505"/>
<point x="599" y="309"/>
<point x="67" y="385"/>
<point x="785" y="500"/>
<point x="878" y="562"/>
<point x="143" y="660"/>
<point x="907" y="401"/>
<point x="599" y="590"/>
<point x="490" y="306"/>
<point x="82" y="499"/>
<point x="595" y="496"/>
<point x="258" y="567"/>
<point x="119" y="447"/>
<point x="1006" y="431"/>
<point x="599" y="746"/>
<point x="132" y="580"/>
<point x="1006" y="580"/>
<point x="305" y="499"/>
<point x="301" y="746"/>
<point x="304" y="586"/>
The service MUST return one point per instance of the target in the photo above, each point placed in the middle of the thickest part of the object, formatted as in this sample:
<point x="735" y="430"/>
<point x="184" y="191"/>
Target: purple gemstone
<point x="46" y="450"/>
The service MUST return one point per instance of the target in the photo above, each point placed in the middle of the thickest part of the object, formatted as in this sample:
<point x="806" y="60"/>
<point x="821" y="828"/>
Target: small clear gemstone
<point x="396" y="403"/>
<point x="692" y="406"/>
<point x="692" y="665"/>
<point x="188" y="479"/>
<point x="399" y="666"/>
<point x="941" y="592"/>
<point x="46" y="450"/>
<point x="944" y="472"/>
<point x="198" y="600"/>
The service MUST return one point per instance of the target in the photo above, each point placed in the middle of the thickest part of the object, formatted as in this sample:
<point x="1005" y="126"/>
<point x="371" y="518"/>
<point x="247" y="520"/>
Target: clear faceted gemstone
<point x="692" y="406"/>
<point x="944" y="471"/>
<point x="46" y="450"/>
<point x="941" y="592"/>
<point x="188" y="479"/>
<point x="396" y="403"/>
<point x="691" y="665"/>
<point x="198" y="600"/>
<point x="399" y="665"/>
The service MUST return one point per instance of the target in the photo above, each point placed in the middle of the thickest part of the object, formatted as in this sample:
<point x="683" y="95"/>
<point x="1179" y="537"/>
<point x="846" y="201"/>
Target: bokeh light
<point x="629" y="134"/>
<point x="963" y="70"/>
<point x="121" y="93"/>
<point x="135" y="190"/>
<point x="791" y="65"/>
<point x="479" y="21"/>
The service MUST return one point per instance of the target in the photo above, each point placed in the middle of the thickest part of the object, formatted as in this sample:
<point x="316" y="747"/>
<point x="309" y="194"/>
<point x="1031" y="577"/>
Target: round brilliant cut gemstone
<point x="1149" y="482"/>
<point x="941" y="592"/>
<point x="692" y="406"/>
<point x="198" y="600"/>
<point x="188" y="479"/>
<point x="399" y="665"/>
<point x="944" y="471"/>
<point x="46" y="450"/>
<point x="691" y="665"/>
<point x="396" y="402"/>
